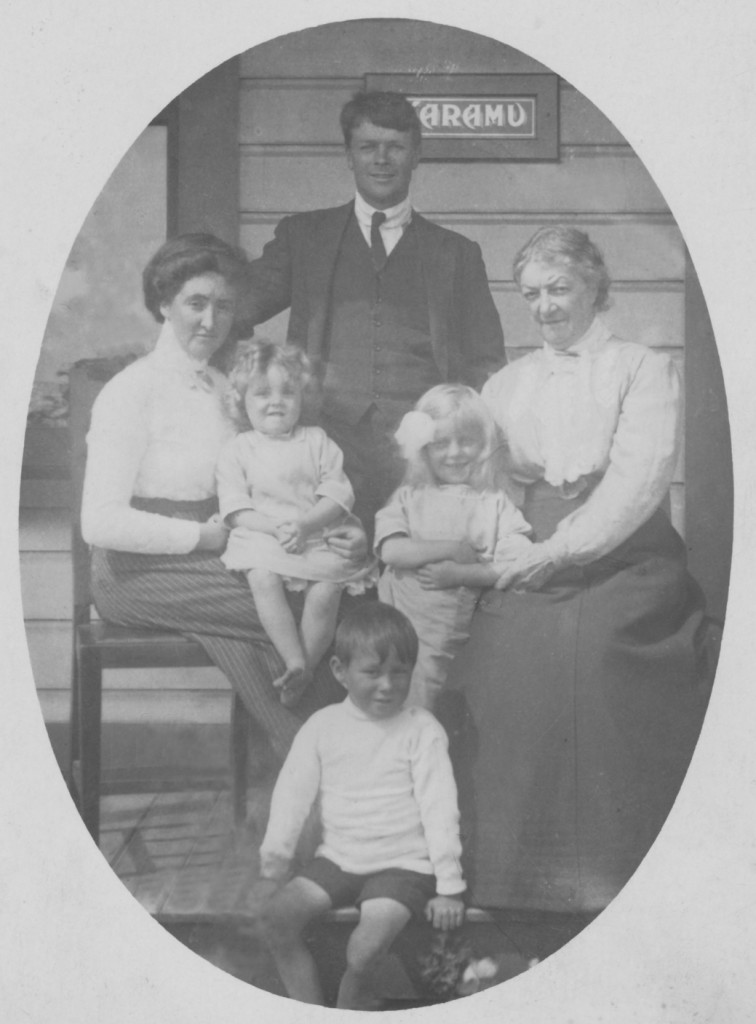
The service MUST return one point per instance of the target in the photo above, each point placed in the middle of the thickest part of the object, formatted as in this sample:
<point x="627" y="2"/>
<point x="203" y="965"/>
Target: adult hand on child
<point x="348" y="540"/>
<point x="528" y="570"/>
<point x="445" y="912"/>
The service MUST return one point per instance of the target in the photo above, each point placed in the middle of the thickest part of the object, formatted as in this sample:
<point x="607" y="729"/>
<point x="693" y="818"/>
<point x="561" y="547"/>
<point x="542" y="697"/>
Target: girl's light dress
<point x="283" y="478"/>
<point x="489" y="522"/>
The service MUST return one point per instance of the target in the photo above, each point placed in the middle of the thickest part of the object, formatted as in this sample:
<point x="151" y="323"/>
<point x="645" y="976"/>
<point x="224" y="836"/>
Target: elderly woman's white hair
<point x="564" y="244"/>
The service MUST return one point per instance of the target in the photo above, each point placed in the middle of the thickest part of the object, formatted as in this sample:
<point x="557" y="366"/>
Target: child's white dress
<point x="489" y="522"/>
<point x="283" y="478"/>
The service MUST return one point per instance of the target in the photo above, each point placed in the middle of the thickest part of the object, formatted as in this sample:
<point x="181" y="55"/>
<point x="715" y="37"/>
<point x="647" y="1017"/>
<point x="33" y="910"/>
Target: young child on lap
<point x="280" y="487"/>
<point x="388" y="806"/>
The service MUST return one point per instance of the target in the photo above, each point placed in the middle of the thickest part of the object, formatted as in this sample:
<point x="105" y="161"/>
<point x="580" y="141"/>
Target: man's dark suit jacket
<point x="297" y="266"/>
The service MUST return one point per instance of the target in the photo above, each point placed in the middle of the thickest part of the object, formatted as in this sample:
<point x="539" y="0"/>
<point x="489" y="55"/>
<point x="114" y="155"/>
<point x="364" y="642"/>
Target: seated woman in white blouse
<point x="149" y="505"/>
<point x="580" y="677"/>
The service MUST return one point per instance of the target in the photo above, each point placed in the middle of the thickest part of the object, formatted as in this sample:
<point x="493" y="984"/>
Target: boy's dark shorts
<point x="410" y="888"/>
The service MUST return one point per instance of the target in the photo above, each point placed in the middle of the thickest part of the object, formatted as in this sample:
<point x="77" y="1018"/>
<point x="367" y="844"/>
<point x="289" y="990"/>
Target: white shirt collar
<point x="396" y="216"/>
<point x="169" y="351"/>
<point x="172" y="359"/>
<point x="593" y="338"/>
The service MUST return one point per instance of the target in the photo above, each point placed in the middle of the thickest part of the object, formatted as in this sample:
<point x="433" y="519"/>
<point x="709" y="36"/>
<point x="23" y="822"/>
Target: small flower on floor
<point x="482" y="974"/>
<point x="451" y="970"/>
<point x="442" y="968"/>
<point x="476" y="972"/>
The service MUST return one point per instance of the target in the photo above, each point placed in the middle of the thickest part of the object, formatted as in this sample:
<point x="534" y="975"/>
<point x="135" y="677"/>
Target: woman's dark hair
<point x="385" y="109"/>
<point x="185" y="257"/>
<point x="379" y="627"/>
<point x="565" y="244"/>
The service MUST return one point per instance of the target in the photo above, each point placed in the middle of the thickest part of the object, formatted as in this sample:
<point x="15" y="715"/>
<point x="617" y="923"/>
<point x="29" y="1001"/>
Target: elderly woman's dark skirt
<point x="574" y="713"/>
<point x="196" y="595"/>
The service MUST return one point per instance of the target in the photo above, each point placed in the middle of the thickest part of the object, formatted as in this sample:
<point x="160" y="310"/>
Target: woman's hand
<point x="348" y="540"/>
<point x="529" y="570"/>
<point x="213" y="535"/>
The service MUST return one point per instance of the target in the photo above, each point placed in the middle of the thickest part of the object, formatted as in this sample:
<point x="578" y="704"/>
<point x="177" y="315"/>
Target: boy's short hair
<point x="384" y="109"/>
<point x="378" y="626"/>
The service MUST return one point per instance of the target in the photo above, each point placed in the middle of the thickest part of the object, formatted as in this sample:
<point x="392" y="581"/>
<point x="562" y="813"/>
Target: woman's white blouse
<point x="157" y="429"/>
<point x="603" y="408"/>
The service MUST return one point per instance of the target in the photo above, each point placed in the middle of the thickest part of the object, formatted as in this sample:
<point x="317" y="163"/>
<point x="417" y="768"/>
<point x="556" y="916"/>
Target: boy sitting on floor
<point x="388" y="807"/>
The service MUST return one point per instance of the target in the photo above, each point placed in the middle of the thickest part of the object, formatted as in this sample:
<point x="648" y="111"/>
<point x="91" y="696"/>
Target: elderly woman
<point x="580" y="678"/>
<point x="149" y="504"/>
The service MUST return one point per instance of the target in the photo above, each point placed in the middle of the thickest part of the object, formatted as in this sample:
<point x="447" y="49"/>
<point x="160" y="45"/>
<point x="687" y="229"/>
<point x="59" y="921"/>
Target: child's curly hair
<point x="254" y="358"/>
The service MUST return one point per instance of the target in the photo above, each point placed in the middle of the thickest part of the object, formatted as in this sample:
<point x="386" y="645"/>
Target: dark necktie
<point x="377" y="248"/>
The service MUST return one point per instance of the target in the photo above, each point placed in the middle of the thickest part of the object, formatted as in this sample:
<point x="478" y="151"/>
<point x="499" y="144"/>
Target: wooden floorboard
<point x="180" y="854"/>
<point x="182" y="857"/>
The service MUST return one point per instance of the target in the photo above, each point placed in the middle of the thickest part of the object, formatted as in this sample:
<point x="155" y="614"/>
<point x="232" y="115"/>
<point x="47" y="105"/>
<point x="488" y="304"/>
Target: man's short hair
<point x="385" y="109"/>
<point x="378" y="627"/>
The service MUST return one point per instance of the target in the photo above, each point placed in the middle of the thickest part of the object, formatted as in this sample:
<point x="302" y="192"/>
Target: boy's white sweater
<point x="387" y="796"/>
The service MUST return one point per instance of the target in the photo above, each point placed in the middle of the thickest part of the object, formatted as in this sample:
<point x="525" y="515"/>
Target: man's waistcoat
<point x="378" y="346"/>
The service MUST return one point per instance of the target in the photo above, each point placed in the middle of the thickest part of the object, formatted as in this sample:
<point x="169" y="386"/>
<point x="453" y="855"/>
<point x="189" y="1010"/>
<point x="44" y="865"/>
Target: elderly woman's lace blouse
<point x="603" y="414"/>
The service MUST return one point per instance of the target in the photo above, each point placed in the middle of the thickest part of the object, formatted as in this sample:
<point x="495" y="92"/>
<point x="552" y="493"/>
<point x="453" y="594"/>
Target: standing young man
<point x="386" y="303"/>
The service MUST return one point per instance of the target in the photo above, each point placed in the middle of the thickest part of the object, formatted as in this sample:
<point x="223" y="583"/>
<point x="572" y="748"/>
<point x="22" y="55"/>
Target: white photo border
<point x="80" y="81"/>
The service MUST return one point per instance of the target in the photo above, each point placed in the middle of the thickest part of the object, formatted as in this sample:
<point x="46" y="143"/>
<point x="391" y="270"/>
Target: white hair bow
<point x="416" y="430"/>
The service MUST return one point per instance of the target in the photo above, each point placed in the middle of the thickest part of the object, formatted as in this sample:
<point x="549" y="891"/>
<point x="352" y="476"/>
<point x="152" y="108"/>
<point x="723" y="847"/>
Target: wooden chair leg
<point x="90" y="737"/>
<point x="239" y="758"/>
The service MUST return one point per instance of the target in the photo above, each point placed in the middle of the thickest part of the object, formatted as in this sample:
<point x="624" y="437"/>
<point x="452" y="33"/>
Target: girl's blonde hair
<point x="254" y="358"/>
<point x="464" y="406"/>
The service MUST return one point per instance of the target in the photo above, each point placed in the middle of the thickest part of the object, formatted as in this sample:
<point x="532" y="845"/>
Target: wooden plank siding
<point x="638" y="248"/>
<point x="592" y="180"/>
<point x="300" y="111"/>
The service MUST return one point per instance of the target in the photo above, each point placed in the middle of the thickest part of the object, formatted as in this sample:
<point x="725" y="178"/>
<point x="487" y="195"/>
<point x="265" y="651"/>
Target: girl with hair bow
<point x="449" y="530"/>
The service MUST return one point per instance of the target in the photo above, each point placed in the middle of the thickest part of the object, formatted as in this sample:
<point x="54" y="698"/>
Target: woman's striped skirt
<point x="196" y="595"/>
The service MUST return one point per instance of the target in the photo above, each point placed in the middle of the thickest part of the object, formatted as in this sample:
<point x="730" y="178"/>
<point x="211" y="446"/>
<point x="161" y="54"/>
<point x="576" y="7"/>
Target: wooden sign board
<point x="482" y="117"/>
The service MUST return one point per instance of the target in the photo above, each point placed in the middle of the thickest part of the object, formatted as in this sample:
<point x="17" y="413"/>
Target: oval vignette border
<point x="594" y="95"/>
